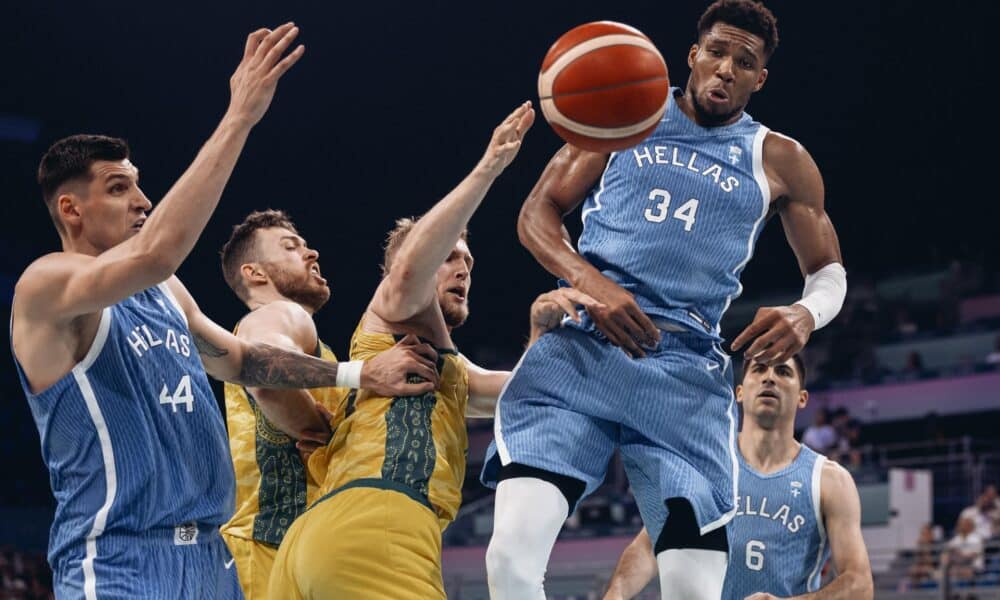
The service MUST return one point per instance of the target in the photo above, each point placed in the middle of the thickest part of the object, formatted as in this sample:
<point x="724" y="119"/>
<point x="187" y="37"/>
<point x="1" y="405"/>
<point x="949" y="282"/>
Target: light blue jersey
<point x="674" y="219"/>
<point x="138" y="461"/>
<point x="777" y="541"/>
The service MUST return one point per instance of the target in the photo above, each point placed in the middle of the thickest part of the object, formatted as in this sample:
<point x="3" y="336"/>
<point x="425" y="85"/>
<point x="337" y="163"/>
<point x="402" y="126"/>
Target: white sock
<point x="691" y="574"/>
<point x="527" y="517"/>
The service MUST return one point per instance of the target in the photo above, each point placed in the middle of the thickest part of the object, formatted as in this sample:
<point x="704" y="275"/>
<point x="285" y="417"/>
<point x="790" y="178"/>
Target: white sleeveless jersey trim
<point x="765" y="192"/>
<point x="107" y="453"/>
<point x="170" y="296"/>
<point x="597" y="194"/>
<point x="817" y="478"/>
<point x="726" y="518"/>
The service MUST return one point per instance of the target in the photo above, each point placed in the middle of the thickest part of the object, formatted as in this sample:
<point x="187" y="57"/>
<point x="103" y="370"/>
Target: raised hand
<point x="252" y="85"/>
<point x="619" y="317"/>
<point x="778" y="333"/>
<point x="506" y="140"/>
<point x="387" y="373"/>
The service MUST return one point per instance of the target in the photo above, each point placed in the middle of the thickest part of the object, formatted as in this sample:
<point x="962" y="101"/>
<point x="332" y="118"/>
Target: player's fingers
<point x="416" y="389"/>
<point x="525" y="122"/>
<point x="287" y="62"/>
<point x="274" y="54"/>
<point x="752" y="330"/>
<point x="582" y="298"/>
<point x="631" y="337"/>
<point x="568" y="306"/>
<point x="421" y="359"/>
<point x="270" y="40"/>
<point x="763" y="342"/>
<point x="309" y="445"/>
<point x="408" y="340"/>
<point x="253" y="40"/>
<point x="641" y="326"/>
<point x="326" y="414"/>
<point x="423" y="371"/>
<point x="426" y="351"/>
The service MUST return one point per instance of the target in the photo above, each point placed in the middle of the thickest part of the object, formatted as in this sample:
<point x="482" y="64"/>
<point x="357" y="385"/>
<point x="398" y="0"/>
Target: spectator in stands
<point x="820" y="436"/>
<point x="993" y="358"/>
<point x="963" y="556"/>
<point x="905" y="326"/>
<point x="985" y="513"/>
<point x="924" y="567"/>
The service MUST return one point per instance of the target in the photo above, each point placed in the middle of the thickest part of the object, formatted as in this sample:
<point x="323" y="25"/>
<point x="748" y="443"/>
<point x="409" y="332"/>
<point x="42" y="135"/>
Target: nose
<point x="143" y="202"/>
<point x="311" y="254"/>
<point x="724" y="69"/>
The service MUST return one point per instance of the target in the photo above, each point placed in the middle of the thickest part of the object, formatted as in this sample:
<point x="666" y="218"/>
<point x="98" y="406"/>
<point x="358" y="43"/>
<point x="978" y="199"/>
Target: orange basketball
<point x="603" y="86"/>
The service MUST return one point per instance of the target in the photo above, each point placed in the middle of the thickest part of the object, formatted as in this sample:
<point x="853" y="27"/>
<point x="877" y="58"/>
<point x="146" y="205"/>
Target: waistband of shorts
<point x="670" y="326"/>
<point x="381" y="484"/>
<point x="185" y="534"/>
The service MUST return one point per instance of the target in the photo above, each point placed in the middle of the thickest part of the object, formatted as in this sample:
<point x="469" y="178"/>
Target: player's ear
<point x="760" y="80"/>
<point x="739" y="393"/>
<point x="691" y="54"/>
<point x="67" y="206"/>
<point x="803" y="398"/>
<point x="253" y="274"/>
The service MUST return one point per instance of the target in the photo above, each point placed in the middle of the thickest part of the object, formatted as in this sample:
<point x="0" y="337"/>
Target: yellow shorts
<point x="361" y="542"/>
<point x="253" y="562"/>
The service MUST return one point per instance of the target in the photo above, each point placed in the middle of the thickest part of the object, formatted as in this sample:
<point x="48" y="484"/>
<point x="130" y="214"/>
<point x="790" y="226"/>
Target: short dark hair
<point x="395" y="238"/>
<point x="239" y="250"/>
<point x="747" y="15"/>
<point x="800" y="369"/>
<point x="70" y="158"/>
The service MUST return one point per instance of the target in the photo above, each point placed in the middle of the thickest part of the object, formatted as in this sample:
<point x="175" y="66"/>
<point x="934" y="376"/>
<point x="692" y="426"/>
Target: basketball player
<point x="272" y="270"/>
<point x="668" y="226"/>
<point x="794" y="506"/>
<point x="112" y="353"/>
<point x="394" y="469"/>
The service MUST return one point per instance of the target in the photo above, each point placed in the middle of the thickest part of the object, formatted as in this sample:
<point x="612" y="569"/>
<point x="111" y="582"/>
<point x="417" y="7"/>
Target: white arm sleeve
<point x="824" y="293"/>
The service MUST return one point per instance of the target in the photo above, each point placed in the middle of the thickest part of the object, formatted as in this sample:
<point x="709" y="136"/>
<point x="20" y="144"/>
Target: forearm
<point x="540" y="229"/>
<point x="291" y="411"/>
<point x="173" y="228"/>
<point x="435" y="234"/>
<point x="268" y="366"/>
<point x="635" y="569"/>
<point x="846" y="586"/>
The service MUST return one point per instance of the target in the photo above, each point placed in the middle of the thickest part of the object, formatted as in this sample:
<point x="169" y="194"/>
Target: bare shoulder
<point x="281" y="318"/>
<point x="791" y="170"/>
<point x="44" y="275"/>
<point x="837" y="483"/>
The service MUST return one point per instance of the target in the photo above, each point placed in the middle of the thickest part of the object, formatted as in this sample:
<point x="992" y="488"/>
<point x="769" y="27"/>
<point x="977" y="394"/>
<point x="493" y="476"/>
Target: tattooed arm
<point x="229" y="358"/>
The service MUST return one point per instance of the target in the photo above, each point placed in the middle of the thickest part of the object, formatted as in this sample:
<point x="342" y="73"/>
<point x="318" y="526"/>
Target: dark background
<point x="394" y="102"/>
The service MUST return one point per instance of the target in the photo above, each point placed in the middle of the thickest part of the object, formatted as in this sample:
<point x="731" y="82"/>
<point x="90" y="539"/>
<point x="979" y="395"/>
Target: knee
<point x="508" y="564"/>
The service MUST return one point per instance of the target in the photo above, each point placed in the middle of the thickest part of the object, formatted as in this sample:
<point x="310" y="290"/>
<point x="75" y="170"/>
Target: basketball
<point x="603" y="86"/>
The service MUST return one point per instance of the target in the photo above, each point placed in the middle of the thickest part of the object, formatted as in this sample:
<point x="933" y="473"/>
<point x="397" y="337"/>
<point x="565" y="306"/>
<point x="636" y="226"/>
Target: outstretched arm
<point x="288" y="326"/>
<point x="229" y="358"/>
<point x="60" y="287"/>
<point x="409" y="286"/>
<point x="779" y="332"/>
<point x="636" y="568"/>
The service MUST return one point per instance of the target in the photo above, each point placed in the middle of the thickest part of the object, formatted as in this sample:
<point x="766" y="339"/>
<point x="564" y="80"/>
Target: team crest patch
<point x="735" y="153"/>
<point x="186" y="534"/>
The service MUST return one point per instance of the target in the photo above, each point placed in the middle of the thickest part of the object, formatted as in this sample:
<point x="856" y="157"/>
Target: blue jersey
<point x="777" y="541"/>
<point x="133" y="437"/>
<point x="674" y="219"/>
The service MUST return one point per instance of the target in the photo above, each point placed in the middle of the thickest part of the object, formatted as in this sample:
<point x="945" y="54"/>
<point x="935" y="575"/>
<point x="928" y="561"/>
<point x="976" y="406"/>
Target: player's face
<point x="110" y="208"/>
<point x="727" y="66"/>
<point x="771" y="395"/>
<point x="292" y="266"/>
<point x="454" y="278"/>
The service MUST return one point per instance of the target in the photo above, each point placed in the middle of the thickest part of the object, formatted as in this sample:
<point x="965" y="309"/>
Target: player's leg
<point x="679" y="453"/>
<point x="531" y="507"/>
<point x="253" y="562"/>
<point x="549" y="451"/>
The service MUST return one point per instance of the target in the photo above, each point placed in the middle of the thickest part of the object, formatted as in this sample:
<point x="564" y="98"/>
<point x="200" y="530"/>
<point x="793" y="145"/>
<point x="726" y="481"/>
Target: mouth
<point x="458" y="292"/>
<point x="138" y="224"/>
<point x="768" y="397"/>
<point x="718" y="95"/>
<point x="314" y="271"/>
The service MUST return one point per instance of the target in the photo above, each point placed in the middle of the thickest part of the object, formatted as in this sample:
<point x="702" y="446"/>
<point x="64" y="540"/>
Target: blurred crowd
<point x="24" y="576"/>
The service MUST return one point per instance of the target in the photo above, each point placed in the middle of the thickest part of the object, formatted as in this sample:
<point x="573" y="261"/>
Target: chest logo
<point x="735" y="153"/>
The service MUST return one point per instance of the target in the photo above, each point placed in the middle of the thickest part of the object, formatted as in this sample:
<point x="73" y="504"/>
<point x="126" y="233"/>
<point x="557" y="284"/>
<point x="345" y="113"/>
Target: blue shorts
<point x="574" y="398"/>
<point x="160" y="564"/>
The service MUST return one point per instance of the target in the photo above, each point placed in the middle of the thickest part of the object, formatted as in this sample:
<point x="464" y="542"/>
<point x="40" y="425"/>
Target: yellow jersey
<point x="413" y="444"/>
<point x="272" y="484"/>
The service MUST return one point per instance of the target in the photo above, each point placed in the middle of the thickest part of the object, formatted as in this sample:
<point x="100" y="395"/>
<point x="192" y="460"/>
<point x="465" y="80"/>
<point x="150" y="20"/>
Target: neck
<point x="79" y="245"/>
<point x="768" y="450"/>
<point x="267" y="296"/>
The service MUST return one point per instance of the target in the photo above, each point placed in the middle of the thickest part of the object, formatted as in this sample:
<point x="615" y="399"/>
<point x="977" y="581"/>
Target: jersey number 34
<point x="659" y="212"/>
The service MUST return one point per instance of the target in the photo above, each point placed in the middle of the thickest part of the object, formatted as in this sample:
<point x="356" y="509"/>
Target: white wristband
<point x="824" y="293"/>
<point x="349" y="374"/>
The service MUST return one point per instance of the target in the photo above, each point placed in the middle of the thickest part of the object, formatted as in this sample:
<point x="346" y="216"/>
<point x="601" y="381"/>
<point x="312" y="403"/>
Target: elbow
<point x="862" y="585"/>
<point x="525" y="234"/>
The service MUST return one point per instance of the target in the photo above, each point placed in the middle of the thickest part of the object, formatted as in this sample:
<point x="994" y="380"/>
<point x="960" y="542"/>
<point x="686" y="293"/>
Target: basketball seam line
<point x="603" y="88"/>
